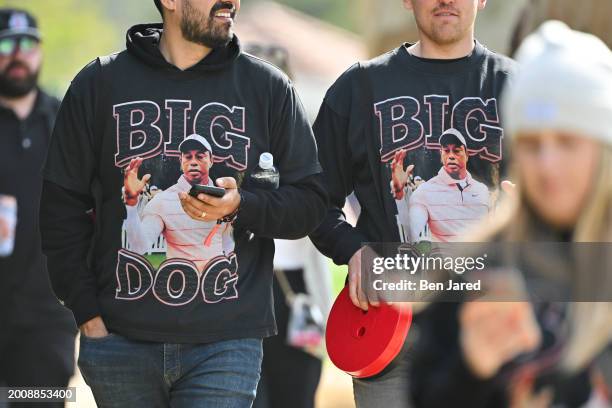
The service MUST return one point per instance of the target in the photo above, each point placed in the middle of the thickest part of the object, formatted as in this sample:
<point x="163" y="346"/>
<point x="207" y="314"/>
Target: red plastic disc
<point x="363" y="343"/>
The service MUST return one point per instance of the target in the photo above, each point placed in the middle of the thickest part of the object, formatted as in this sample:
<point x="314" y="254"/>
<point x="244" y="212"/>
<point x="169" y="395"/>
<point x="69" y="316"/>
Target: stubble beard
<point x="201" y="29"/>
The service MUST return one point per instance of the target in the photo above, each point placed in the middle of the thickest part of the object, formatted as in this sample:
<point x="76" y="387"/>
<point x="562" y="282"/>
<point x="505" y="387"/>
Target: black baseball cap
<point x="16" y="22"/>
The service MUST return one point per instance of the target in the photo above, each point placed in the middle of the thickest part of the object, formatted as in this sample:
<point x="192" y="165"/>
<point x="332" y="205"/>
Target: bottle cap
<point x="266" y="161"/>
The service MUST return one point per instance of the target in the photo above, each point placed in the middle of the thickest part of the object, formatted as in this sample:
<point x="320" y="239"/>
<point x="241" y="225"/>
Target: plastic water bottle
<point x="265" y="176"/>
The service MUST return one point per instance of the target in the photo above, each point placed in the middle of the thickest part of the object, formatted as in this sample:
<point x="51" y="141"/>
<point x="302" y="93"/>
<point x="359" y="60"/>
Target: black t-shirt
<point x="151" y="274"/>
<point x="400" y="103"/>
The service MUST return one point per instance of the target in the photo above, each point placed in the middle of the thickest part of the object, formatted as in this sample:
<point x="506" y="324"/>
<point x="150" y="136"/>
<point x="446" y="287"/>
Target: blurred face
<point x="195" y="165"/>
<point x="557" y="171"/>
<point x="208" y="22"/>
<point x="445" y="22"/>
<point x="20" y="61"/>
<point x="454" y="159"/>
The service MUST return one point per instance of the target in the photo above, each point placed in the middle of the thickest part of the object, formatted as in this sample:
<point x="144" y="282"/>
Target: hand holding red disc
<point x="363" y="343"/>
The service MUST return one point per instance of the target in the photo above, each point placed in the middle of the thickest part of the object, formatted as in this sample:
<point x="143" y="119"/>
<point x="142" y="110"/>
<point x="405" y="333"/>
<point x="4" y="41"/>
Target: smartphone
<point x="210" y="190"/>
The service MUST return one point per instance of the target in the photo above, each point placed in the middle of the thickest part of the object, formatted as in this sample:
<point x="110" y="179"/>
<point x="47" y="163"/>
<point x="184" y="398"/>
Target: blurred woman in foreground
<point x="558" y="112"/>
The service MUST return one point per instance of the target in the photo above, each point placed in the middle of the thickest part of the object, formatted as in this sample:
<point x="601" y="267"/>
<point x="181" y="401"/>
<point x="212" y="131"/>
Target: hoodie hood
<point x="143" y="43"/>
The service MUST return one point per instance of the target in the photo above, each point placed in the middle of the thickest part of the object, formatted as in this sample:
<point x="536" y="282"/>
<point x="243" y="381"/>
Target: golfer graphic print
<point x="447" y="204"/>
<point x="197" y="241"/>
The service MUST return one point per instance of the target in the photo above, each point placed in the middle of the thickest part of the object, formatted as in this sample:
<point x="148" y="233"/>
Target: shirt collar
<point x="183" y="184"/>
<point x="446" y="179"/>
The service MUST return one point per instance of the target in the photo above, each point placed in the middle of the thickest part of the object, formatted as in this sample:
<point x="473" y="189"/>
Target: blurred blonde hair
<point x="590" y="322"/>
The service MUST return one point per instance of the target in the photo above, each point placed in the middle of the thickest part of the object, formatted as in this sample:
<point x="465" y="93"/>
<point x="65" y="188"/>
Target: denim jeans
<point x="128" y="373"/>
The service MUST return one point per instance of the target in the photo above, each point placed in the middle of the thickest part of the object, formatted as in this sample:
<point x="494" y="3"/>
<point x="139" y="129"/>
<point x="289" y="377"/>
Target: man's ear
<point x="482" y="4"/>
<point x="169" y="4"/>
<point x="408" y="5"/>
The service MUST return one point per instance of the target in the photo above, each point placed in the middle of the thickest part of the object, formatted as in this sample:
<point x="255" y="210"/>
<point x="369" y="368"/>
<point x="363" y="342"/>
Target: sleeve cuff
<point x="85" y="306"/>
<point x="249" y="210"/>
<point x="132" y="210"/>
<point x="347" y="247"/>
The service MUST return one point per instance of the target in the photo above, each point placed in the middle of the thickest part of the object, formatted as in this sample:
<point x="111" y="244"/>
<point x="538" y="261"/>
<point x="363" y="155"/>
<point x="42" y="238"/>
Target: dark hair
<point x="159" y="7"/>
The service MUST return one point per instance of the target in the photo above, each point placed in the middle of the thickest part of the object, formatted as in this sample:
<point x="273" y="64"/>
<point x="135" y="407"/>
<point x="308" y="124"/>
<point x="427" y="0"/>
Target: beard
<point x="201" y="29"/>
<point x="445" y="35"/>
<point x="12" y="88"/>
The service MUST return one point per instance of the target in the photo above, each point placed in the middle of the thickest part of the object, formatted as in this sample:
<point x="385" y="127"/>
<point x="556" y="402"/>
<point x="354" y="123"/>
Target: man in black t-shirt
<point x="405" y="100"/>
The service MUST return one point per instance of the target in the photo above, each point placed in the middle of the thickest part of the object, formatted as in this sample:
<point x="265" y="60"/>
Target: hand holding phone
<point x="210" y="190"/>
<point x="208" y="203"/>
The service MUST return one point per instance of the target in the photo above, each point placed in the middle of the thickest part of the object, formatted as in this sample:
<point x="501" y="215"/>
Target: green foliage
<point x="74" y="33"/>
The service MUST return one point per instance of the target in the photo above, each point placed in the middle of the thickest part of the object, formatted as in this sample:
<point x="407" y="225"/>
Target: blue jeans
<point x="128" y="373"/>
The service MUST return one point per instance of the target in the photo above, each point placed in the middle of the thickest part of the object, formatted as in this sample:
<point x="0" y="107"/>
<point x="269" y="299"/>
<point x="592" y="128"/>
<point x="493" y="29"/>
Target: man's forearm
<point x="290" y="212"/>
<point x="336" y="238"/>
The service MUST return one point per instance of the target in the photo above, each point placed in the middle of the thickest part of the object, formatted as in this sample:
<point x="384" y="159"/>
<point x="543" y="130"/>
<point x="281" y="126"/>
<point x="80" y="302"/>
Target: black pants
<point x="37" y="358"/>
<point x="289" y="376"/>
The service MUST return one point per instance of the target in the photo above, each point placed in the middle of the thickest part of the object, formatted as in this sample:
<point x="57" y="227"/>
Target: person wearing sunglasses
<point x="20" y="60"/>
<point x="29" y="311"/>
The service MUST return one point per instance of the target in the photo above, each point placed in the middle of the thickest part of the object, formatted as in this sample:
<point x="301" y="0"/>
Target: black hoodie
<point x="146" y="269"/>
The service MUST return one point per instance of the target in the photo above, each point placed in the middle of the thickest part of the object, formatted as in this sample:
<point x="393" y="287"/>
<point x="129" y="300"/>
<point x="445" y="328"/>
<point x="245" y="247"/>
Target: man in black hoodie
<point x="158" y="330"/>
<point x="405" y="100"/>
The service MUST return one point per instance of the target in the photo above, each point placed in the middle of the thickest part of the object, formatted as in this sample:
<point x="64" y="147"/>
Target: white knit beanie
<point x="564" y="83"/>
